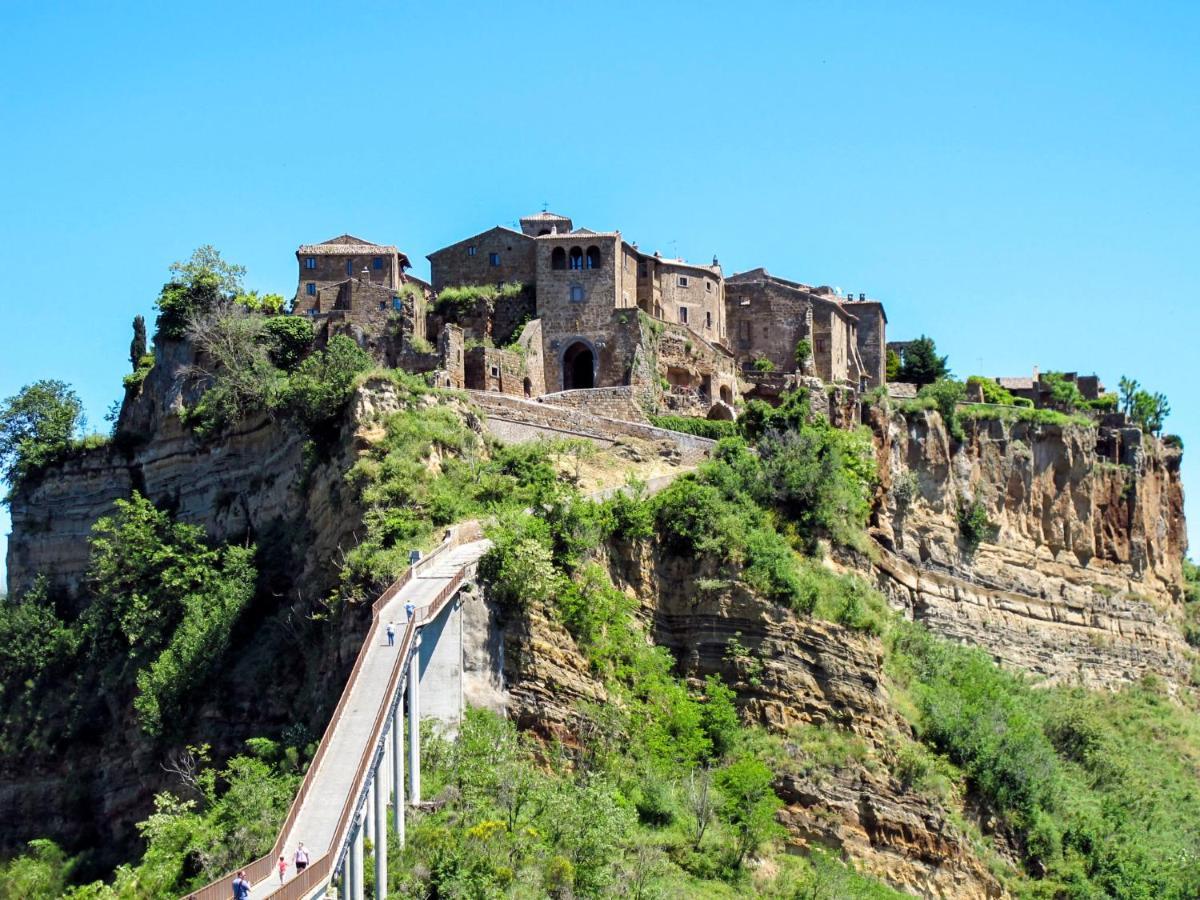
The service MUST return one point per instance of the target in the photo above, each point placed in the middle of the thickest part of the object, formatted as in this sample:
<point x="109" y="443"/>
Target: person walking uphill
<point x="391" y="634"/>
<point x="282" y="869"/>
<point x="301" y="858"/>
<point x="241" y="887"/>
<point x="409" y="609"/>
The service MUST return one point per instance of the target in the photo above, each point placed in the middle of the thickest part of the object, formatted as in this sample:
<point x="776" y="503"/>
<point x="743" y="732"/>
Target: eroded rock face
<point x="1080" y="580"/>
<point x="787" y="671"/>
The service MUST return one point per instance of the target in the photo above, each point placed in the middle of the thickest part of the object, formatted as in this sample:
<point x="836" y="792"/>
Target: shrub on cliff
<point x="920" y="363"/>
<point x="197" y="287"/>
<point x="38" y="425"/>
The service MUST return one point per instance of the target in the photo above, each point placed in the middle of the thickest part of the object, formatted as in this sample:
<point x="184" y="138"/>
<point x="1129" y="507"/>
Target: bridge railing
<point x="264" y="866"/>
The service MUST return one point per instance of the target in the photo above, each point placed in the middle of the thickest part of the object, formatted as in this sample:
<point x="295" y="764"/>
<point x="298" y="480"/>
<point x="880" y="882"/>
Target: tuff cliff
<point x="1077" y="577"/>
<point x="790" y="672"/>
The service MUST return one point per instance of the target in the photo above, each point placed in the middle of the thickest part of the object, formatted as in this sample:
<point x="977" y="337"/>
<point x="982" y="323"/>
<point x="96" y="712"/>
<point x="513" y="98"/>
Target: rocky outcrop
<point x="1078" y="577"/>
<point x="788" y="671"/>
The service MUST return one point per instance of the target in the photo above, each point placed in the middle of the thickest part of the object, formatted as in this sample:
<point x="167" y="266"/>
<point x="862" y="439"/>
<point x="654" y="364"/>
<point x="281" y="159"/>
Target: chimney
<point x="862" y="298"/>
<point x="1036" y="374"/>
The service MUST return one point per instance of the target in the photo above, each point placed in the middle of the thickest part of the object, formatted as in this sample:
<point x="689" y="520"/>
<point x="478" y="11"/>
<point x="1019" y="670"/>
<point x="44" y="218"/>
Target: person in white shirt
<point x="301" y="858"/>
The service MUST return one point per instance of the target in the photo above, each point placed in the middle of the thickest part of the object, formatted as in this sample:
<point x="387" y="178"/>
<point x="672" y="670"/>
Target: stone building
<point x="346" y="256"/>
<point x="768" y="316"/>
<point x="588" y="287"/>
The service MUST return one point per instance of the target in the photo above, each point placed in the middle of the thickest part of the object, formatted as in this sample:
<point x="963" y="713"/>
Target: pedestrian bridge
<point x="366" y="750"/>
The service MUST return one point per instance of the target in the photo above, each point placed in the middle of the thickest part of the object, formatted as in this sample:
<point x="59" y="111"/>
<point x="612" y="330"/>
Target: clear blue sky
<point x="1017" y="180"/>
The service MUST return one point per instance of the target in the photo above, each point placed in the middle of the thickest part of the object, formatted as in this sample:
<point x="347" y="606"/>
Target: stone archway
<point x="578" y="367"/>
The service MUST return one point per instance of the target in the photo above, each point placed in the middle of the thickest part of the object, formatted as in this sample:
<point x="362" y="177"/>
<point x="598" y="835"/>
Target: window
<point x="577" y="293"/>
<point x="683" y="281"/>
<point x="643" y="269"/>
<point x="383" y="304"/>
<point x="312" y="313"/>
<point x="471" y="250"/>
<point x="377" y="263"/>
<point x="493" y="259"/>
<point x="593" y="257"/>
<point x="708" y="320"/>
<point x="708" y="286"/>
<point x="495" y="371"/>
<point x="350" y="266"/>
<point x="683" y="314"/>
<point x="311" y="288"/>
<point x="576" y="257"/>
<point x="558" y="258"/>
<point x="310" y="262"/>
<point x="397" y="303"/>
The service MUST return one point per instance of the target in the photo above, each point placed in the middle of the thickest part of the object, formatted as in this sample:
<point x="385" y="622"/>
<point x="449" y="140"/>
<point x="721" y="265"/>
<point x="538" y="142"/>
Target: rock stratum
<point x="1079" y="580"/>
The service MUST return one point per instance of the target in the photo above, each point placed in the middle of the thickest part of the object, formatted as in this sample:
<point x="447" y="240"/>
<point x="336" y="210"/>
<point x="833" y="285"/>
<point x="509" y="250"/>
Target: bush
<point x="974" y="526"/>
<point x="315" y="395"/>
<point x="992" y="392"/>
<point x="764" y="365"/>
<point x="1023" y="402"/>
<point x="707" y="428"/>
<point x="289" y="338"/>
<point x="803" y="352"/>
<point x="945" y="396"/>
<point x="38" y="425"/>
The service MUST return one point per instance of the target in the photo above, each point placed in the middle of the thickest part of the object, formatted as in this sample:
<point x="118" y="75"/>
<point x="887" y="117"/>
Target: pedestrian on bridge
<point x="282" y="869"/>
<point x="391" y="634"/>
<point x="301" y="858"/>
<point x="241" y="887"/>
<point x="409" y="609"/>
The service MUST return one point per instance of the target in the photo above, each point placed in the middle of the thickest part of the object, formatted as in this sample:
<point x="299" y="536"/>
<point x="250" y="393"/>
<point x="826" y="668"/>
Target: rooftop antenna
<point x="674" y="251"/>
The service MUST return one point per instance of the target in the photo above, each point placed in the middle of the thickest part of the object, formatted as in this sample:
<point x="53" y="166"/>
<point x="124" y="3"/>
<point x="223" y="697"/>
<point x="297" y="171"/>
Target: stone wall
<point x="872" y="339"/>
<point x="457" y="264"/>
<point x="612" y="402"/>
<point x="493" y="369"/>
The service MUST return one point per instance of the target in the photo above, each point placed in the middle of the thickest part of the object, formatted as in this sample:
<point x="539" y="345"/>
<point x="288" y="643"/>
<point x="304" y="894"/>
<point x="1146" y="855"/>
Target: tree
<point x="1148" y="410"/>
<point x="803" y="352"/>
<point x="288" y="339"/>
<point x="920" y="363"/>
<point x="750" y="804"/>
<point x="37" y="425"/>
<point x="137" y="347"/>
<point x="1128" y="388"/>
<point x="197" y="287"/>
<point x="206" y="263"/>
<point x="892" y="370"/>
<point x="232" y="366"/>
<point x="701" y="801"/>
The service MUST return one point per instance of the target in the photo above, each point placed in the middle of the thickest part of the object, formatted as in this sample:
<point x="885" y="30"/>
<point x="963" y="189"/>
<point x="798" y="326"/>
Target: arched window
<point x="558" y="258"/>
<point x="576" y="258"/>
<point x="593" y="257"/>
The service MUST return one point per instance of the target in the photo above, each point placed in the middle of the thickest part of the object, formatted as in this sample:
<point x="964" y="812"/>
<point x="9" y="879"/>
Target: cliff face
<point x="254" y="484"/>
<point x="1080" y="577"/>
<point x="788" y="672"/>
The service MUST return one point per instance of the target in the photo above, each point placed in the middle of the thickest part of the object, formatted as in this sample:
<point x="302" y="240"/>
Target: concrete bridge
<point x="370" y="755"/>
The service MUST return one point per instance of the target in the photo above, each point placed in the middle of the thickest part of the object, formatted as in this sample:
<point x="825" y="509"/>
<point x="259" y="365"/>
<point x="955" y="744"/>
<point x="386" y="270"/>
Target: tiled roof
<point x="545" y="217"/>
<point x="348" y="245"/>
<point x="1016" y="384"/>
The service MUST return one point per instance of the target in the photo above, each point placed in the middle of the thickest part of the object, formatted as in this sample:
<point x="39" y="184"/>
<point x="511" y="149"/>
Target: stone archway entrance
<point x="578" y="367"/>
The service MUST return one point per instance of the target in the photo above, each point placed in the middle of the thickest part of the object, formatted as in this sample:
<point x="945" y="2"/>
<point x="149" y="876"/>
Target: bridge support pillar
<point x="368" y="816"/>
<point x="414" y="723"/>
<point x="398" y="770"/>
<point x="380" y="813"/>
<point x="356" y="864"/>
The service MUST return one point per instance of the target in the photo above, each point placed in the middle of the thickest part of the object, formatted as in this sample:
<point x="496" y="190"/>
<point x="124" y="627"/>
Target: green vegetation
<point x="137" y="346"/>
<point x="706" y="428"/>
<point x="142" y="368"/>
<point x="163" y="608"/>
<point x="992" y="392"/>
<point x="803" y="352"/>
<point x="1098" y="809"/>
<point x="920" y="364"/>
<point x="39" y="425"/>
<point x="764" y="365"/>
<point x="1023" y="413"/>
<point x="1148" y="410"/>
<point x="197" y="287"/>
<point x="215" y="821"/>
<point x="892" y="366"/>
<point x="974" y="526"/>
<point x="457" y="302"/>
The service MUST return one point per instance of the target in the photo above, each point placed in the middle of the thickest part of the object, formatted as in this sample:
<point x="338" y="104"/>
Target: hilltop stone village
<point x="585" y="318"/>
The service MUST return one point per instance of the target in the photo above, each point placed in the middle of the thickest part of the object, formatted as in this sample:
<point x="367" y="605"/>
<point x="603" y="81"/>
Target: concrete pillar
<point x="398" y="769"/>
<point x="380" y="813"/>
<point x="368" y="816"/>
<point x="414" y="723"/>
<point x="356" y="863"/>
